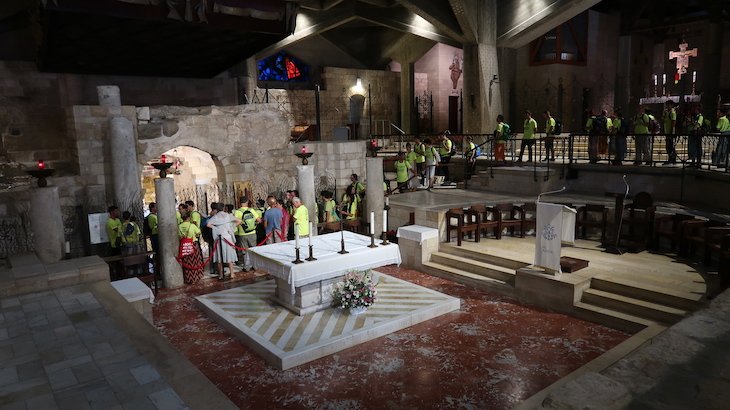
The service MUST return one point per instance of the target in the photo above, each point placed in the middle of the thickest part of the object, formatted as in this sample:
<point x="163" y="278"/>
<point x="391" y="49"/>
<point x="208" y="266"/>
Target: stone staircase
<point x="477" y="269"/>
<point x="619" y="300"/>
<point x="607" y="299"/>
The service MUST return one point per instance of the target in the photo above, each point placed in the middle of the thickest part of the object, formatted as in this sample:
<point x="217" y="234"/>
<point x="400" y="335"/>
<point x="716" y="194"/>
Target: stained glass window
<point x="565" y="44"/>
<point x="282" y="67"/>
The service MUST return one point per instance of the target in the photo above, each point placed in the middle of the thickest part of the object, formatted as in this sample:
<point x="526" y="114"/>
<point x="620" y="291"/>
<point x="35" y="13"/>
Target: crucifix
<point x="682" y="57"/>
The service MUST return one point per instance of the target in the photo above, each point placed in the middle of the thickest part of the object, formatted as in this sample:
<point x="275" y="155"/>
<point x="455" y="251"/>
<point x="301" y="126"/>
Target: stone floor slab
<point x="286" y="340"/>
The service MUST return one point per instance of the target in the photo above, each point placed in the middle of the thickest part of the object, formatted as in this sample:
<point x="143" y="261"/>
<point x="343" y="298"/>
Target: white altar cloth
<point x="277" y="258"/>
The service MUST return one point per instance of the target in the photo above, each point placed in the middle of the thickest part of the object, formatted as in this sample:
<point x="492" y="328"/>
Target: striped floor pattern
<point x="249" y="313"/>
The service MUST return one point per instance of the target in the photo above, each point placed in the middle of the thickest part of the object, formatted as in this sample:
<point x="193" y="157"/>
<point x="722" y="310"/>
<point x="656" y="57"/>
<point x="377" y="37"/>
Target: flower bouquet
<point x="356" y="292"/>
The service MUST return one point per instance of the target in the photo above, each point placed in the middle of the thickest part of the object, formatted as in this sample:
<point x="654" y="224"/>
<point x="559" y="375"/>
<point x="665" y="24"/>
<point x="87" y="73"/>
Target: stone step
<point x="632" y="306"/>
<point x="656" y="294"/>
<point x="611" y="318"/>
<point x="480" y="268"/>
<point x="467" y="278"/>
<point x="482" y="257"/>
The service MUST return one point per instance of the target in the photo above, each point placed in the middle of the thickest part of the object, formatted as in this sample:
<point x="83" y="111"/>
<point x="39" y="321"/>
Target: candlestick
<point x="297" y="260"/>
<point x="372" y="241"/>
<point x="342" y="240"/>
<point x="372" y="223"/>
<point x="311" y="256"/>
<point x="296" y="235"/>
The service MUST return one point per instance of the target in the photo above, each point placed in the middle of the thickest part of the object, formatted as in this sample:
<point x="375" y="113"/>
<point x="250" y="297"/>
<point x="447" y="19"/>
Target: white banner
<point x="555" y="224"/>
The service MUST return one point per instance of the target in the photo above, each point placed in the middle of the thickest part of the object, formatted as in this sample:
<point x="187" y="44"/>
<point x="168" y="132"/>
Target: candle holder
<point x="342" y="240"/>
<point x="297" y="260"/>
<point x="372" y="241"/>
<point x="374" y="150"/>
<point x="304" y="156"/>
<point x="162" y="167"/>
<point x="385" y="239"/>
<point x="311" y="257"/>
<point x="41" y="174"/>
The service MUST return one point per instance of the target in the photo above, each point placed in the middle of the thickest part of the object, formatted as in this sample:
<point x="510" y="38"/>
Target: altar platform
<point x="306" y="287"/>
<point x="285" y="339"/>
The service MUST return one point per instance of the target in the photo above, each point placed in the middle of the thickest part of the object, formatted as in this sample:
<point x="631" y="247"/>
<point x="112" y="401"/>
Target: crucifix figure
<point x="682" y="57"/>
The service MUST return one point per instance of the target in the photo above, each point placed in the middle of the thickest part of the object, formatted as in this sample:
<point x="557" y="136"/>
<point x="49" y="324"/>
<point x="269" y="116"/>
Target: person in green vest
<point x="330" y="207"/>
<point x="192" y="265"/>
<point x="419" y="148"/>
<point x="695" y="126"/>
<point x="641" y="137"/>
<point x="183" y="207"/>
<point x="350" y="204"/>
<point x="549" y="136"/>
<point x="114" y="231"/>
<point x="246" y="232"/>
<point x="618" y="137"/>
<point x="528" y="136"/>
<point x="500" y="138"/>
<point x="669" y="121"/>
<point x="153" y="225"/>
<point x="300" y="217"/>
<point x="412" y="157"/>
<point x="445" y="152"/>
<point x="470" y="155"/>
<point x="131" y="234"/>
<point x="194" y="215"/>
<point x="403" y="171"/>
<point x="719" y="157"/>
<point x="359" y="187"/>
<point x="432" y="159"/>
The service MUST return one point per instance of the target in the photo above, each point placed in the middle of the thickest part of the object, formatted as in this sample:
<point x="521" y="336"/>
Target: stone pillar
<point x="482" y="95"/>
<point x="622" y="97"/>
<point x="47" y="224"/>
<point x="109" y="96"/>
<point x="305" y="184"/>
<point x="247" y="81"/>
<point x="407" y="101"/>
<point x="374" y="197"/>
<point x="124" y="164"/>
<point x="711" y="69"/>
<point x="167" y="229"/>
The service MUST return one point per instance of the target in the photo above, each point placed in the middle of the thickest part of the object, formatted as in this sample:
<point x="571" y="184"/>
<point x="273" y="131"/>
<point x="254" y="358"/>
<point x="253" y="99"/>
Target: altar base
<point x="285" y="339"/>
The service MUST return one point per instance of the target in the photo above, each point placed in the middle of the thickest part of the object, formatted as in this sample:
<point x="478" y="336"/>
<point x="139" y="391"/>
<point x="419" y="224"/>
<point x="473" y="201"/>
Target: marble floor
<point x="492" y="353"/>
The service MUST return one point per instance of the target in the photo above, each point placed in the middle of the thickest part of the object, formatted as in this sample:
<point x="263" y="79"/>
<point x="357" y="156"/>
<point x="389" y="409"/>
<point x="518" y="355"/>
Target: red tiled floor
<point x="493" y="353"/>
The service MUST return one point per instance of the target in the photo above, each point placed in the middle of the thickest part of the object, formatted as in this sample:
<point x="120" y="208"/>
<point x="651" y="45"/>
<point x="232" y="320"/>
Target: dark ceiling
<point x="203" y="38"/>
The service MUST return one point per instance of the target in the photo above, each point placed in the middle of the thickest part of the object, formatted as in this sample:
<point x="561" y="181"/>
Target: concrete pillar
<point x="47" y="224"/>
<point x="305" y="185"/>
<point x="172" y="276"/>
<point x="374" y="197"/>
<point x="109" y="96"/>
<point x="482" y="93"/>
<point x="622" y="96"/>
<point x="408" y="117"/>
<point x="125" y="170"/>
<point x="247" y="81"/>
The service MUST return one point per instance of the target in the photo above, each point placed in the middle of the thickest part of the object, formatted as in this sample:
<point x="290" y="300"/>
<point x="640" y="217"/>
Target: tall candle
<point x="664" y="79"/>
<point x="311" y="229"/>
<point x="385" y="220"/>
<point x="372" y="223"/>
<point x="296" y="236"/>
<point x="694" y="76"/>
<point x="655" y="79"/>
<point x="387" y="201"/>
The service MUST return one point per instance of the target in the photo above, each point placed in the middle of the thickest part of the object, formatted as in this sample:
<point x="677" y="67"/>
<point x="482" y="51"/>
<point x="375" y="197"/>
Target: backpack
<point x="558" y="127"/>
<point x="146" y="228"/>
<point x="599" y="125"/>
<point x="479" y="150"/>
<point x="654" y="126"/>
<point x="453" y="149"/>
<point x="205" y="232"/>
<point x="506" y="131"/>
<point x="249" y="221"/>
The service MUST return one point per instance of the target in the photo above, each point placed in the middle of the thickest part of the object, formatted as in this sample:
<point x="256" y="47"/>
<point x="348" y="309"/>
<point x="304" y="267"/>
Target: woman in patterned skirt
<point x="192" y="265"/>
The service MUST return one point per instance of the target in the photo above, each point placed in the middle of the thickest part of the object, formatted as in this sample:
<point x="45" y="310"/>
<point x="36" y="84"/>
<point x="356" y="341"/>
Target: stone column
<point x="374" y="196"/>
<point x="167" y="229"/>
<point x="124" y="164"/>
<point x="622" y="97"/>
<point x="305" y="184"/>
<point x="109" y="96"/>
<point x="407" y="102"/>
<point x="47" y="224"/>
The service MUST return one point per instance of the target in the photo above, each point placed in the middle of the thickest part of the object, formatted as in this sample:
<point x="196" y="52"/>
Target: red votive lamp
<point x="163" y="158"/>
<point x="41" y="164"/>
<point x="304" y="149"/>
<point x="373" y="143"/>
